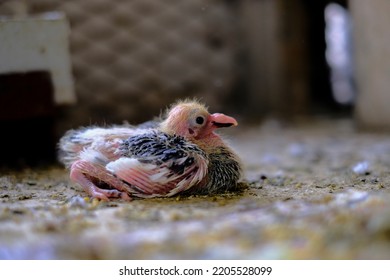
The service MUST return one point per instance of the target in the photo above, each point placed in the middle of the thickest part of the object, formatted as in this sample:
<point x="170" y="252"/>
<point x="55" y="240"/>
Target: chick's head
<point x="192" y="120"/>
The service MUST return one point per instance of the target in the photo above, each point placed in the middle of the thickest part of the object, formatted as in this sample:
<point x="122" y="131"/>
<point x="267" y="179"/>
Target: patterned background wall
<point x="130" y="57"/>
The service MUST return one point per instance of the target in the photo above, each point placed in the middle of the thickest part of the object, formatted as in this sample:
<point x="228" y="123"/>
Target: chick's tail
<point x="70" y="146"/>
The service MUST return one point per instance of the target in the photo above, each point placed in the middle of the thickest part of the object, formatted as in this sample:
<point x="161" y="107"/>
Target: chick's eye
<point x="199" y="120"/>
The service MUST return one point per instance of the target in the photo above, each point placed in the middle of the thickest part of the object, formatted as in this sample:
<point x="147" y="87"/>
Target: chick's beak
<point x="220" y="120"/>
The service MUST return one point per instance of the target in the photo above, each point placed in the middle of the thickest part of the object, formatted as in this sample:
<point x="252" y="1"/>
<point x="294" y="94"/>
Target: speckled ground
<point x="318" y="190"/>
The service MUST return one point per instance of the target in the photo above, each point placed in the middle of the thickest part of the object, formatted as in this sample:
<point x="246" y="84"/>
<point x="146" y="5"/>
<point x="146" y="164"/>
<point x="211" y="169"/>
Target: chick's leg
<point x="82" y="171"/>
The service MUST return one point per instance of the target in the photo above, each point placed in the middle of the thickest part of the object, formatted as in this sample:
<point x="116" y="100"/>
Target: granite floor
<point x="311" y="190"/>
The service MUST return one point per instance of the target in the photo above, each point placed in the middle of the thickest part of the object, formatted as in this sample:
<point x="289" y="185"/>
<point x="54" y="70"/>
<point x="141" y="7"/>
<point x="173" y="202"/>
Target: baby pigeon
<point x="182" y="153"/>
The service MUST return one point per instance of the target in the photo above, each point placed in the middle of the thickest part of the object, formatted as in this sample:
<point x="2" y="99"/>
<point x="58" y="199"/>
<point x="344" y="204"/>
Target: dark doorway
<point x="321" y="78"/>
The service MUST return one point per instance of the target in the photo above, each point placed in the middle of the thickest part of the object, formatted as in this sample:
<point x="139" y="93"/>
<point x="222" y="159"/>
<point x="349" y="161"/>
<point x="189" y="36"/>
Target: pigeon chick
<point x="182" y="153"/>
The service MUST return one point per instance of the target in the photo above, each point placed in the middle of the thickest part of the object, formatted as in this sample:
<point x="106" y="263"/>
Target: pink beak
<point x="220" y="120"/>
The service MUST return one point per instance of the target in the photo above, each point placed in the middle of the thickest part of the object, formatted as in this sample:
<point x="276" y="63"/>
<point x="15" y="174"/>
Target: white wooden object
<point x="39" y="43"/>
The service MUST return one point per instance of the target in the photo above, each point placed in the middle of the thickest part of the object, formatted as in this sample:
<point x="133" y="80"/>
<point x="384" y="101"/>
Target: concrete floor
<point x="318" y="190"/>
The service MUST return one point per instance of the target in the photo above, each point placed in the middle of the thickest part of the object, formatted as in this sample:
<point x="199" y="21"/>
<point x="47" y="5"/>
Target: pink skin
<point x="78" y="172"/>
<point x="84" y="172"/>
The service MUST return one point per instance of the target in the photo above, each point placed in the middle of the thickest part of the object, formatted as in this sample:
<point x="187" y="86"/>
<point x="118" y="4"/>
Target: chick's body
<point x="180" y="154"/>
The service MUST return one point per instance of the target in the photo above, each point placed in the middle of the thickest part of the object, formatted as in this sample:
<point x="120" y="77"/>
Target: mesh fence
<point x="130" y="57"/>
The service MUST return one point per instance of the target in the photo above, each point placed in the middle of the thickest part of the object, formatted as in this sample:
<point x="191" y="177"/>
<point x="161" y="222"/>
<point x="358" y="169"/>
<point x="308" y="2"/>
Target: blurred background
<point x="65" y="64"/>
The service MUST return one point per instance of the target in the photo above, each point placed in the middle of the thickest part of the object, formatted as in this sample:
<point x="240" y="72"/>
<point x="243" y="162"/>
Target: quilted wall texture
<point x="132" y="57"/>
